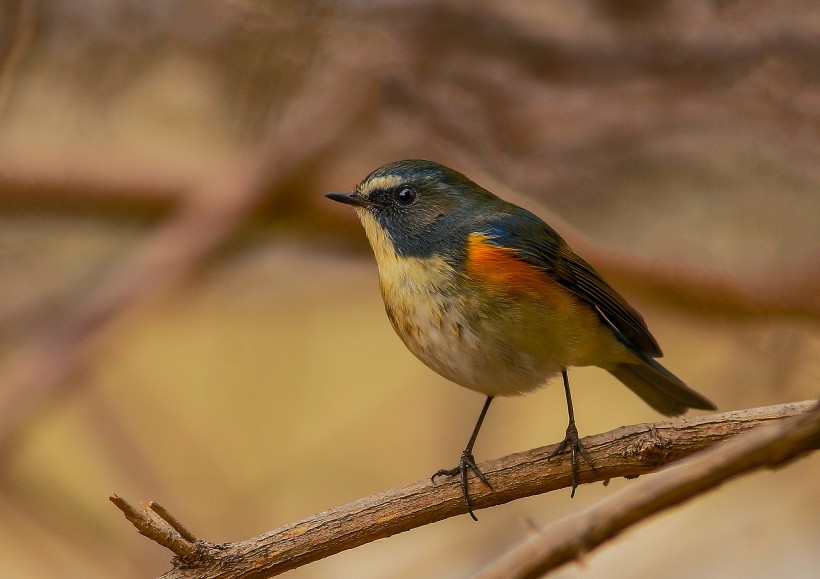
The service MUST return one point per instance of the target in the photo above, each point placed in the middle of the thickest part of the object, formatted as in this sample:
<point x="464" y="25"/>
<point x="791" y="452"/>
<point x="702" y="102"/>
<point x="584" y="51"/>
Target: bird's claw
<point x="574" y="442"/>
<point x="466" y="464"/>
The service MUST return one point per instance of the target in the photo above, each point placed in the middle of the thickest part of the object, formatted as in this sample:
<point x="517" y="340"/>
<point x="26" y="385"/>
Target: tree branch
<point x="574" y="536"/>
<point x="628" y="451"/>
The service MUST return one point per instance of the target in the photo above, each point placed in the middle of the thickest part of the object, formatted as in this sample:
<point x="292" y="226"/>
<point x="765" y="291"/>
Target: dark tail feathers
<point x="659" y="388"/>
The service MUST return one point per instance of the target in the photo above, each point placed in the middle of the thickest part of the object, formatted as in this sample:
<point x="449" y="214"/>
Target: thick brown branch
<point x="571" y="538"/>
<point x="628" y="451"/>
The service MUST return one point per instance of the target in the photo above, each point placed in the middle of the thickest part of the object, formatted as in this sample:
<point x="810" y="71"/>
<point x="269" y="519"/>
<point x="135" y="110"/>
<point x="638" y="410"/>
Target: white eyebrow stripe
<point x="387" y="182"/>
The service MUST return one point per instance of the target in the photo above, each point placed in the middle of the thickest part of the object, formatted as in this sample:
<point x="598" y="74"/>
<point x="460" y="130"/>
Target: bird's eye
<point x="405" y="195"/>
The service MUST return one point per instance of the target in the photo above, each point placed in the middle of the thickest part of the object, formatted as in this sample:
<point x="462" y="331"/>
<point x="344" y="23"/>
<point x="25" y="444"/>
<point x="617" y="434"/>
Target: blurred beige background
<point x="184" y="317"/>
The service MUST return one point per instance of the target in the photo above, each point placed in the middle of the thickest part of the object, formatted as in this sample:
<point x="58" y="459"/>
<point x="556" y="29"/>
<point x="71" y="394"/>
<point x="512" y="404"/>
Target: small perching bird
<point x="491" y="297"/>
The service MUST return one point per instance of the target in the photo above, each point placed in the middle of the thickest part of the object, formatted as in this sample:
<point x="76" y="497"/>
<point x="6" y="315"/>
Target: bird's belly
<point x="489" y="355"/>
<point x="498" y="347"/>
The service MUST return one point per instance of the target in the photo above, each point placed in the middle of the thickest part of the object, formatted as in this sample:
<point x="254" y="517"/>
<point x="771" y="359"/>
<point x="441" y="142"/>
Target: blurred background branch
<point x="18" y="32"/>
<point x="203" y="223"/>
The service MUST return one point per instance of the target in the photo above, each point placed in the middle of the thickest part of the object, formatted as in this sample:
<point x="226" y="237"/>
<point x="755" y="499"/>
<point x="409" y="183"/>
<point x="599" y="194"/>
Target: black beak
<point x="348" y="198"/>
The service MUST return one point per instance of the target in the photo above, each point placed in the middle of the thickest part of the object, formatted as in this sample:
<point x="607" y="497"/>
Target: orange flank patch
<point x="498" y="267"/>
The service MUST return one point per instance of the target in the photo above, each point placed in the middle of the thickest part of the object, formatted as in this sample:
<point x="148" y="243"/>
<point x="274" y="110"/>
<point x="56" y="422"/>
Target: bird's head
<point x="417" y="208"/>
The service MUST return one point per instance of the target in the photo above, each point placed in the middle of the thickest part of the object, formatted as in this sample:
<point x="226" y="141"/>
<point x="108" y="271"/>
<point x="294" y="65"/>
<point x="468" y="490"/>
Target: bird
<point x="490" y="297"/>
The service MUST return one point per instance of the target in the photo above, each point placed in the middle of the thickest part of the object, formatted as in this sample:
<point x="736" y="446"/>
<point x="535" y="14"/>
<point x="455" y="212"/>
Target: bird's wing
<point x="536" y="243"/>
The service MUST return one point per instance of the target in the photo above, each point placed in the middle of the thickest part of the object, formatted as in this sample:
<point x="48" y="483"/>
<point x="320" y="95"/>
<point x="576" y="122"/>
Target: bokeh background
<point x="185" y="318"/>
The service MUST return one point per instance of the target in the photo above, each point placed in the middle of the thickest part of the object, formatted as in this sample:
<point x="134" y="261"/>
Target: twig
<point x="164" y="534"/>
<point x="627" y="451"/>
<point x="171" y="520"/>
<point x="576" y="535"/>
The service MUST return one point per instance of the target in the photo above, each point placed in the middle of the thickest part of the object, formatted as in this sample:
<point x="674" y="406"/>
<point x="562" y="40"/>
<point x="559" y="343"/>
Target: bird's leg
<point x="467" y="462"/>
<point x="571" y="439"/>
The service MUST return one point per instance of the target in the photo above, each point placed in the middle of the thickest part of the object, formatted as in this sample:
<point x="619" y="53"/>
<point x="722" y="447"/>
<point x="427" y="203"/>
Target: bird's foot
<point x="466" y="464"/>
<point x="572" y="441"/>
